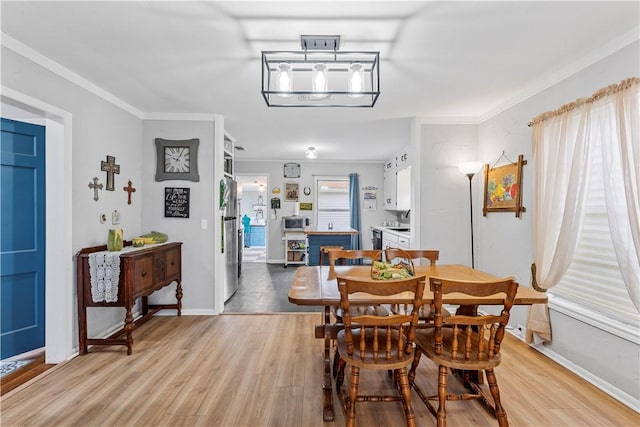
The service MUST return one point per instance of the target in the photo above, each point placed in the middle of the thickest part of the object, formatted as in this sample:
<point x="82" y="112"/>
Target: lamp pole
<point x="470" y="176"/>
<point x="470" y="169"/>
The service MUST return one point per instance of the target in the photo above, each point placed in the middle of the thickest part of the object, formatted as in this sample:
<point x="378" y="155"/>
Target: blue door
<point x="22" y="250"/>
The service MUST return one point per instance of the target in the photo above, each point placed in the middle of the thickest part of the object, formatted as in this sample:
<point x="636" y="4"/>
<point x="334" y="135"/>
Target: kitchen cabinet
<point x="403" y="189"/>
<point x="390" y="186"/>
<point x="397" y="182"/>
<point x="395" y="240"/>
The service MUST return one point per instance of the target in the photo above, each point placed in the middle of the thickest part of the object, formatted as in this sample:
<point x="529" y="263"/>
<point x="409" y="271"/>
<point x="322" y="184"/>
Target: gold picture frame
<point x="503" y="188"/>
<point x="291" y="191"/>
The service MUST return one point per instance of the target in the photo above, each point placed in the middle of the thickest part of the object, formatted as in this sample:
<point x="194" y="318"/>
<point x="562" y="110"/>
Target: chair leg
<point x="442" y="396"/>
<point x="340" y="372"/>
<point x="414" y="365"/>
<point x="353" y="396"/>
<point x="501" y="415"/>
<point x="405" y="391"/>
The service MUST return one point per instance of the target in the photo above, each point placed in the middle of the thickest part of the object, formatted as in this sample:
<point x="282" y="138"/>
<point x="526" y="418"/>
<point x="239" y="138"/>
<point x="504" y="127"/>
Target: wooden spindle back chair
<point x="353" y="254"/>
<point x="426" y="311"/>
<point x="462" y="342"/>
<point x="377" y="342"/>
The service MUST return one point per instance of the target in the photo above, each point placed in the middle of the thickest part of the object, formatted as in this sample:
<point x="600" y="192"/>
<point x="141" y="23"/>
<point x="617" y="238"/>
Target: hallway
<point x="264" y="288"/>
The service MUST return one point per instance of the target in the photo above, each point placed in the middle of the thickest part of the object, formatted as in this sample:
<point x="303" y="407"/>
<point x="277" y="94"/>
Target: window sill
<point x="595" y="319"/>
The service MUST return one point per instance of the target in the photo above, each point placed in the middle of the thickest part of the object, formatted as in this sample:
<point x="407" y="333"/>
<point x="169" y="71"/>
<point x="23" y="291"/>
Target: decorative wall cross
<point x="129" y="189"/>
<point x="110" y="168"/>
<point x="95" y="187"/>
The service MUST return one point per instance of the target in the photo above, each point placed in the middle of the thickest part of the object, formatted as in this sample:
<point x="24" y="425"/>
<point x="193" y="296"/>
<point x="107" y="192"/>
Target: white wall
<point x="198" y="271"/>
<point x="506" y="242"/>
<point x="444" y="191"/>
<point x="370" y="174"/>
<point x="94" y="128"/>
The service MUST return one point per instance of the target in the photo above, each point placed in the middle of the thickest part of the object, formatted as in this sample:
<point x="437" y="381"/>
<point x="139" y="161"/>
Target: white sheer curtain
<point x="617" y="118"/>
<point x="562" y="141"/>
<point x="560" y="159"/>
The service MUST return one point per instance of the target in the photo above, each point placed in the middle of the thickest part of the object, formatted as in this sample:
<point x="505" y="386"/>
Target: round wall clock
<point x="177" y="159"/>
<point x="292" y="170"/>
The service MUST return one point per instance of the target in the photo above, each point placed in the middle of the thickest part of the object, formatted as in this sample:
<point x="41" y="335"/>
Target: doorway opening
<point x="253" y="214"/>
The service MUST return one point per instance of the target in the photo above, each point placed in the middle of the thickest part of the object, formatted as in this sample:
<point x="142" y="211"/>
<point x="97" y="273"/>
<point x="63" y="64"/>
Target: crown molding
<point x="51" y="65"/>
<point x="196" y="117"/>
<point x="559" y="75"/>
<point x="453" y="120"/>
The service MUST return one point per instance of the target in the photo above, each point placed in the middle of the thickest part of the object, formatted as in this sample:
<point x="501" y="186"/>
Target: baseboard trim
<point x="598" y="382"/>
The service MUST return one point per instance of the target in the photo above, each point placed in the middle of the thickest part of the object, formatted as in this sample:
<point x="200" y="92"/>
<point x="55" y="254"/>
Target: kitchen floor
<point x="264" y="288"/>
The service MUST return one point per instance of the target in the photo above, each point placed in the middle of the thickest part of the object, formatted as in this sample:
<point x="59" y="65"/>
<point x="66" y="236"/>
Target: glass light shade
<point x="311" y="153"/>
<point x="356" y="79"/>
<point x="285" y="78"/>
<point x="470" y="168"/>
<point x="320" y="82"/>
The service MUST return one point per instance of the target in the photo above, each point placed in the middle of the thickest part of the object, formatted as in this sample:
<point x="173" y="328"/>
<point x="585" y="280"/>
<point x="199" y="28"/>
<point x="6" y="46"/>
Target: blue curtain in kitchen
<point x="354" y="207"/>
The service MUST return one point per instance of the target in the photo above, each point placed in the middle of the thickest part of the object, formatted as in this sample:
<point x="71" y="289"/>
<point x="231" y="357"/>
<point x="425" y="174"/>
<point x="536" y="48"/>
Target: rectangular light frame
<point x="337" y="63"/>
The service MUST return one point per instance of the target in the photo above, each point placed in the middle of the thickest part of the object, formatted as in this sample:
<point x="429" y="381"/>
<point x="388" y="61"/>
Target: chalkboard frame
<point x="169" y="203"/>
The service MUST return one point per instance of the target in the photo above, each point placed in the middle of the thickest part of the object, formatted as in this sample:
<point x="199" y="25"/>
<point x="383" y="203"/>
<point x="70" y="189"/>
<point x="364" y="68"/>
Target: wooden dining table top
<point x="318" y="286"/>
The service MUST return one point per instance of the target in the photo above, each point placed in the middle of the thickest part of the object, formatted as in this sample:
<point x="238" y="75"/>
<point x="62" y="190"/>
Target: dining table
<point x="317" y="286"/>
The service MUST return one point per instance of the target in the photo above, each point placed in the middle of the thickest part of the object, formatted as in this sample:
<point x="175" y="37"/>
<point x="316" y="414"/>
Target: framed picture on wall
<point x="291" y="190"/>
<point x="503" y="188"/>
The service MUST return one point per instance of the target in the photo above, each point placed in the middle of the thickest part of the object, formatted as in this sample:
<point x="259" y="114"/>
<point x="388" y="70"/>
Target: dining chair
<point x="432" y="255"/>
<point x="354" y="254"/>
<point x="377" y="342"/>
<point x="462" y="342"/>
<point x="390" y="254"/>
<point x="324" y="252"/>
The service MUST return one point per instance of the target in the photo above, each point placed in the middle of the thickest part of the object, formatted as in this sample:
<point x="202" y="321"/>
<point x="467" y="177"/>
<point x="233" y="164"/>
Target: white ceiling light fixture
<point x="285" y="79"/>
<point x="320" y="75"/>
<point x="311" y="153"/>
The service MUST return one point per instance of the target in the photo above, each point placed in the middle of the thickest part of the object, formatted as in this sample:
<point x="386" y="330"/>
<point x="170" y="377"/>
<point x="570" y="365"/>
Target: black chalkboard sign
<point x="176" y="202"/>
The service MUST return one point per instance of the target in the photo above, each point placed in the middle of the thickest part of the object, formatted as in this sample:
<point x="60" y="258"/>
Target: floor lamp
<point x="470" y="169"/>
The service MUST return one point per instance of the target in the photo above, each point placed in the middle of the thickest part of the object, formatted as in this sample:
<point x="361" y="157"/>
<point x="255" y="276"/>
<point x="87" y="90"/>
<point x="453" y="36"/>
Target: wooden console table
<point x="142" y="272"/>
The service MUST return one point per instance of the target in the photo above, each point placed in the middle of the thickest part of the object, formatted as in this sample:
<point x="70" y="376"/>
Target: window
<point x="593" y="279"/>
<point x="333" y="202"/>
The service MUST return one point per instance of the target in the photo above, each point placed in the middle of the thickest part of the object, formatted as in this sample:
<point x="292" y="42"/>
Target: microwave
<point x="294" y="223"/>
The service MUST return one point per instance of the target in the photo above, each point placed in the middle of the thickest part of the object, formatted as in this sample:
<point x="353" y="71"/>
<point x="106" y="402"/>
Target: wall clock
<point x="177" y="159"/>
<point x="292" y="170"/>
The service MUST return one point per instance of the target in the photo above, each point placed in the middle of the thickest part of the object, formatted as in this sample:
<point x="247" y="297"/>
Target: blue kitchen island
<point x="325" y="237"/>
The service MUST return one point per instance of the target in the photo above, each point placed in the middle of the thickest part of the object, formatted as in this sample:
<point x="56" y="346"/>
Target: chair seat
<point x="395" y="360"/>
<point x="425" y="339"/>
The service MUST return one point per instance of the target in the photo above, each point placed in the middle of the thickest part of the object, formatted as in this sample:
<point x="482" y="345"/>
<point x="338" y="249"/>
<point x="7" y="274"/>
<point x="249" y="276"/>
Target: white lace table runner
<point x="104" y="270"/>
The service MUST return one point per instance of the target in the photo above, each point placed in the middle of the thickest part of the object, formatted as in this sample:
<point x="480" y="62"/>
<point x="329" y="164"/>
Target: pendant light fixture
<point x="356" y="79"/>
<point x="285" y="79"/>
<point x="320" y="75"/>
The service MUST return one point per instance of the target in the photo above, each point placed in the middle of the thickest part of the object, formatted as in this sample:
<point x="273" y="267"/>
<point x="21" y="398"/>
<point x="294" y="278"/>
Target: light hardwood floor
<point x="266" y="370"/>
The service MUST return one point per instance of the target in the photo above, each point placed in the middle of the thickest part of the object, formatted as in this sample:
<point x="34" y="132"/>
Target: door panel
<point x="22" y="247"/>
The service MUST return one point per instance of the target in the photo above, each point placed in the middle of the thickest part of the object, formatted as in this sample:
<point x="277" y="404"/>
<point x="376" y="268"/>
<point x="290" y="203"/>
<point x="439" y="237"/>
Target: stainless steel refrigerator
<point x="230" y="236"/>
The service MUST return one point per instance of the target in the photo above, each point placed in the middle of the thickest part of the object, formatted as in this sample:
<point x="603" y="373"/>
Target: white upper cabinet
<point x="397" y="182"/>
<point x="390" y="185"/>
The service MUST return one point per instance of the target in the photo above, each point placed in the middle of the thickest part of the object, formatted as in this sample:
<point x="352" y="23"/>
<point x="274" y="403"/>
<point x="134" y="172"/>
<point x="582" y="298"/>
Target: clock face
<point x="177" y="159"/>
<point x="292" y="170"/>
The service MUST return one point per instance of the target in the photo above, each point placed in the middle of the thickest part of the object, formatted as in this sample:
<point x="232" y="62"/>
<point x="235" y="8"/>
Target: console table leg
<point x="128" y="328"/>
<point x="179" y="297"/>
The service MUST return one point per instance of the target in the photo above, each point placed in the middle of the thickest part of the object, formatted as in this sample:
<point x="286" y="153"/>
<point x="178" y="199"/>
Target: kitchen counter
<point x="335" y="231"/>
<point x="390" y="230"/>
<point x="324" y="237"/>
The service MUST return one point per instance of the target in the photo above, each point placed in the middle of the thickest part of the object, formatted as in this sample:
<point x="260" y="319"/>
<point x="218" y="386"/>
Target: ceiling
<point x="445" y="61"/>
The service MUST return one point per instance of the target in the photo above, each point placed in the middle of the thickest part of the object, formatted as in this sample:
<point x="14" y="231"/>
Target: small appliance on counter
<point x="294" y="223"/>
